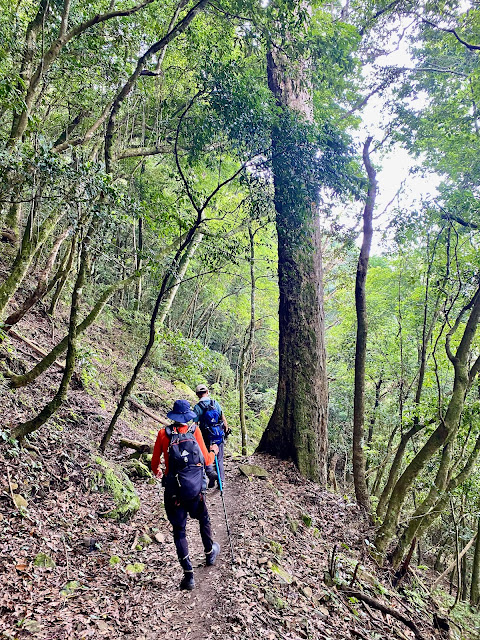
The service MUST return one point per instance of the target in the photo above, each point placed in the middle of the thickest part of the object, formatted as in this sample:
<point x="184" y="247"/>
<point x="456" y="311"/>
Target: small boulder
<point x="253" y="471"/>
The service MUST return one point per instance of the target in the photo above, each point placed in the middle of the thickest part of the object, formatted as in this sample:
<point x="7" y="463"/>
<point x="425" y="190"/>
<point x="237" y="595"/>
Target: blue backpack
<point x="185" y="464"/>
<point x="210" y="425"/>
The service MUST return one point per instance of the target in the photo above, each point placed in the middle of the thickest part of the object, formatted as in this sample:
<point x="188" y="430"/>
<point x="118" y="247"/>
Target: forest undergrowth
<point x="302" y="555"/>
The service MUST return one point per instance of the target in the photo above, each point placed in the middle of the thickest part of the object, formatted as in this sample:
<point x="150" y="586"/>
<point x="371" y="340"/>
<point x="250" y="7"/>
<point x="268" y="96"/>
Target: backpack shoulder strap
<point x="169" y="431"/>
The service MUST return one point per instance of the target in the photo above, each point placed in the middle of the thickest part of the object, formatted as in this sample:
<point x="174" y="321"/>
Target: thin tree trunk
<point x="138" y="264"/>
<point x="191" y="239"/>
<point x="172" y="33"/>
<point x="437" y="488"/>
<point x="42" y="284"/>
<point x="447" y="427"/>
<point x="358" y="455"/>
<point x="247" y="345"/>
<point x="61" y="277"/>
<point x="423" y="519"/>
<point x="176" y="279"/>
<point x="27" y="378"/>
<point x="32" y="241"/>
<point x="453" y="564"/>
<point x="22" y="430"/>
<point x="475" y="584"/>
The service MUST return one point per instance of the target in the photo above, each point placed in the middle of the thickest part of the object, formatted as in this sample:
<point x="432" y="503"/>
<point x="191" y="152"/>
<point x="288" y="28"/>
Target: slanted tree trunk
<point x="42" y="284"/>
<point x="176" y="279"/>
<point x="22" y="430"/>
<point x="429" y="510"/>
<point x="358" y="457"/>
<point x="448" y="424"/>
<point x="32" y="240"/>
<point x="27" y="378"/>
<point x="183" y="251"/>
<point x="61" y="276"/>
<point x="427" y="330"/>
<point x="298" y="426"/>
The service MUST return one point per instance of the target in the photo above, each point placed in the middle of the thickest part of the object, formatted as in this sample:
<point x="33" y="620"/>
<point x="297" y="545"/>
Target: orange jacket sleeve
<point x="209" y="456"/>
<point x="161" y="446"/>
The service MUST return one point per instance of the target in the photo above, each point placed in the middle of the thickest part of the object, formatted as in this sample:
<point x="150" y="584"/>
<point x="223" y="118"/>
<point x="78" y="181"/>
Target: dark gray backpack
<point x="185" y="464"/>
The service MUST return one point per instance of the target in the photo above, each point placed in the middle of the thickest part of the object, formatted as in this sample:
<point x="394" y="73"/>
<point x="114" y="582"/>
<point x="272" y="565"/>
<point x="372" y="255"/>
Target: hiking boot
<point x="211" y="480"/>
<point x="213" y="555"/>
<point x="188" y="582"/>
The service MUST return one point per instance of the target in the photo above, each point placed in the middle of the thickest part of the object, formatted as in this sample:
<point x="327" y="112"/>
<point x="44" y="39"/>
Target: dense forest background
<point x="162" y="165"/>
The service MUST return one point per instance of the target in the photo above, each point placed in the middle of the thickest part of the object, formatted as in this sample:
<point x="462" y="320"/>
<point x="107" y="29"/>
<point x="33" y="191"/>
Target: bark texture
<point x="298" y="426"/>
<point x="359" y="462"/>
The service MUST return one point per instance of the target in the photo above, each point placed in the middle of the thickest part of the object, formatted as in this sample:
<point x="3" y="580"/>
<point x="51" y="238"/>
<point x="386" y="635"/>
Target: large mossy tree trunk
<point x="298" y="427"/>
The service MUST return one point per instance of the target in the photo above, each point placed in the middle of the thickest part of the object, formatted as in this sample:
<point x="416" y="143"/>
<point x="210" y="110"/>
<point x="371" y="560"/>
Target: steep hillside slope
<point x="70" y="570"/>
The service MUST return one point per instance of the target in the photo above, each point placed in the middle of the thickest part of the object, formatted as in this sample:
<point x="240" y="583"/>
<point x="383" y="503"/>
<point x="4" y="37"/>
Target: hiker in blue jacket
<point x="209" y="411"/>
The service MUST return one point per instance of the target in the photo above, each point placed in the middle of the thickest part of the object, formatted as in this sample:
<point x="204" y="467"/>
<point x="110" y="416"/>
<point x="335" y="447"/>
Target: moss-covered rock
<point x="143" y="541"/>
<point x="185" y="391"/>
<point x="137" y="469"/>
<point x="283" y="574"/>
<point x="307" y="519"/>
<point x="253" y="470"/>
<point x="44" y="560"/>
<point x="119" y="485"/>
<point x="275" y="600"/>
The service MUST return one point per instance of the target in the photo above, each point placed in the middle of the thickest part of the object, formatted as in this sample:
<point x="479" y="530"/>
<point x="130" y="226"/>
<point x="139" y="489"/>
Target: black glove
<point x="228" y="432"/>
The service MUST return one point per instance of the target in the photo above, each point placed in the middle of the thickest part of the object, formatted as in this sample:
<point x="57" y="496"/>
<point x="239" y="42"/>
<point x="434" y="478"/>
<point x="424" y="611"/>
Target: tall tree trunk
<point x="298" y="426"/>
<point x="358" y="456"/>
<point x="176" y="279"/>
<point x="138" y="264"/>
<point x="247" y="345"/>
<point x="32" y="240"/>
<point x="62" y="275"/>
<point x="192" y="239"/>
<point x="423" y="517"/>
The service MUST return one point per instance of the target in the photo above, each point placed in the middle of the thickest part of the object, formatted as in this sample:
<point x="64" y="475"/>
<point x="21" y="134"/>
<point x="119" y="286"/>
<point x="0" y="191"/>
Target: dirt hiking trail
<point x="106" y="579"/>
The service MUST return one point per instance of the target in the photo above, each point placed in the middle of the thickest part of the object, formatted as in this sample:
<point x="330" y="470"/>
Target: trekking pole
<point x="224" y="509"/>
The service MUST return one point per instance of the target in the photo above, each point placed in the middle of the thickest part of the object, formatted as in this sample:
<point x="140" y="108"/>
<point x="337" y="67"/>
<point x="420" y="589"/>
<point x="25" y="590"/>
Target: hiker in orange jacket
<point x="186" y="457"/>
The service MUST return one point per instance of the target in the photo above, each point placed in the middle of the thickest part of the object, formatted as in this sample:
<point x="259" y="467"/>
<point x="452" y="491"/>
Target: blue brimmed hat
<point x="181" y="412"/>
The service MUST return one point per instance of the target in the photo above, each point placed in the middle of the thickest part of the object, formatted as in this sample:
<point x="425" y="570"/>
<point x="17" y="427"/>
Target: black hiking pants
<point x="177" y="511"/>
